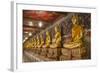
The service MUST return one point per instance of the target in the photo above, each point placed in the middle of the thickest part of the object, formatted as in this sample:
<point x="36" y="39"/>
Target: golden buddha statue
<point x="25" y="45"/>
<point x="34" y="43"/>
<point x="56" y="42"/>
<point x="48" y="39"/>
<point x="29" y="45"/>
<point x="47" y="44"/>
<point x="38" y="41"/>
<point x="77" y="33"/>
<point x="41" y="41"/>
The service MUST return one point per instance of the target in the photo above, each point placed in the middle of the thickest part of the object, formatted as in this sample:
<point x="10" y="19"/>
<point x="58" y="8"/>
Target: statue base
<point x="54" y="53"/>
<point x="44" y="51"/>
<point x="66" y="54"/>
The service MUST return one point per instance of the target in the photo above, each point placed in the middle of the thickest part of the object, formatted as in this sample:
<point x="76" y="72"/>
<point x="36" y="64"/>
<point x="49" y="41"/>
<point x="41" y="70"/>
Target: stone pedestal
<point x="50" y="53"/>
<point x="54" y="53"/>
<point x="78" y="53"/>
<point x="73" y="54"/>
<point x="66" y="54"/>
<point x="43" y="51"/>
<point x="38" y="51"/>
<point x="64" y="57"/>
<point x="35" y="50"/>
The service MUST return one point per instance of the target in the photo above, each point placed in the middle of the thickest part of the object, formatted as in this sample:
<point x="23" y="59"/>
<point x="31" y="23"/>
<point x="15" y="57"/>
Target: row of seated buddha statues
<point x="47" y="47"/>
<point x="53" y="48"/>
<point x="50" y="48"/>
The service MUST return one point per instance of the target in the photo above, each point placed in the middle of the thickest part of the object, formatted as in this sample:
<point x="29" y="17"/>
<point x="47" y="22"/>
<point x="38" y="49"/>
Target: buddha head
<point x="57" y="29"/>
<point x="47" y="33"/>
<point x="75" y="19"/>
<point x="41" y="38"/>
<point x="35" y="41"/>
<point x="38" y="39"/>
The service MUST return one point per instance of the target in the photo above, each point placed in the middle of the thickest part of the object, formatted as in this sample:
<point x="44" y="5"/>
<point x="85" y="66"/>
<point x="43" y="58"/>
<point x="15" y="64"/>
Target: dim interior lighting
<point x="30" y="23"/>
<point x="30" y="34"/>
<point x="26" y="32"/>
<point x="40" y="24"/>
<point x="25" y="39"/>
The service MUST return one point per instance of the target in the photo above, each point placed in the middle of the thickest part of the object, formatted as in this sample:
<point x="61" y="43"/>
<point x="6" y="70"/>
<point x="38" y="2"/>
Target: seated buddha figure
<point x="77" y="33"/>
<point x="38" y="41"/>
<point x="29" y="45"/>
<point x="56" y="42"/>
<point x="48" y="40"/>
<point x="26" y="45"/>
<point x="34" y="42"/>
<point x="41" y="41"/>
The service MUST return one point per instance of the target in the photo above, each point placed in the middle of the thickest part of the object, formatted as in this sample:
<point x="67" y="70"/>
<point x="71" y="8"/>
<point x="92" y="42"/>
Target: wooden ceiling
<point x="46" y="16"/>
<point x="34" y="17"/>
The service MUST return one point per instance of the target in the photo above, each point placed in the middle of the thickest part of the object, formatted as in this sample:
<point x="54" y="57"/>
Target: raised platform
<point x="35" y="57"/>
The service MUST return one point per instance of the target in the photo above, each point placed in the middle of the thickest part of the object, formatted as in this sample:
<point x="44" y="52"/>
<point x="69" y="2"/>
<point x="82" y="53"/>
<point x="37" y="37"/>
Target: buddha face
<point x="75" y="19"/>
